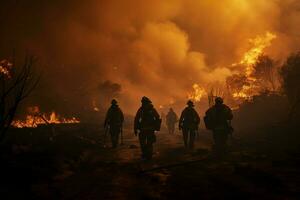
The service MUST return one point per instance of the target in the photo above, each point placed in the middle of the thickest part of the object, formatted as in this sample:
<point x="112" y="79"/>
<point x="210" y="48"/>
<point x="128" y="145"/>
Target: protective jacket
<point x="217" y="117"/>
<point x="147" y="118"/>
<point x="114" y="116"/>
<point x="189" y="118"/>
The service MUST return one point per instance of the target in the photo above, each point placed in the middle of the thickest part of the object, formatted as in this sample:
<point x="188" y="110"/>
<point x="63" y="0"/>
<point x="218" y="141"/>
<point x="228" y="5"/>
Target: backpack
<point x="191" y="119"/>
<point x="209" y="123"/>
<point x="209" y="119"/>
<point x="150" y="120"/>
<point x="157" y="124"/>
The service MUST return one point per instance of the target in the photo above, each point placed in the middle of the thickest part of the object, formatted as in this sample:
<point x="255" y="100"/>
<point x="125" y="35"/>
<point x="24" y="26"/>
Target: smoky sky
<point x="151" y="47"/>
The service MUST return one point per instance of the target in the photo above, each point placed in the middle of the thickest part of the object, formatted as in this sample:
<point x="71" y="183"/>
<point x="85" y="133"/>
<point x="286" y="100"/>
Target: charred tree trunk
<point x="16" y="85"/>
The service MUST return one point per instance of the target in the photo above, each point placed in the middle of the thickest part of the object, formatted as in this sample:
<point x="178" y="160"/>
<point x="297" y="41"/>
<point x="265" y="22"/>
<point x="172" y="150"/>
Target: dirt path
<point x="114" y="173"/>
<point x="107" y="173"/>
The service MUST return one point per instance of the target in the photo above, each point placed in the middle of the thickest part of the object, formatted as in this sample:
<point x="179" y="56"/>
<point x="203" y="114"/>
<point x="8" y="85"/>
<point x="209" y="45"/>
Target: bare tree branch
<point x="14" y="89"/>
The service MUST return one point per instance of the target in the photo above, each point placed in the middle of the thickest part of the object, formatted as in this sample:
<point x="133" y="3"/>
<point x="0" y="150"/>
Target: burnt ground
<point x="76" y="165"/>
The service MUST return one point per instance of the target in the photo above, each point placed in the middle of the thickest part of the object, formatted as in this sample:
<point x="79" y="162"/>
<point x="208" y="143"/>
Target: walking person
<point x="114" y="121"/>
<point x="189" y="122"/>
<point x="146" y="122"/>
<point x="218" y="120"/>
<point x="171" y="120"/>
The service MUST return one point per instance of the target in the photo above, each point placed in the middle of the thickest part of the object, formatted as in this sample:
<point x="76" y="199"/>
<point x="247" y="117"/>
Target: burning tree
<point x="197" y="93"/>
<point x="256" y="70"/>
<point x="16" y="83"/>
<point x="290" y="73"/>
<point x="236" y="83"/>
<point x="213" y="93"/>
<point x="263" y="78"/>
<point x="265" y="72"/>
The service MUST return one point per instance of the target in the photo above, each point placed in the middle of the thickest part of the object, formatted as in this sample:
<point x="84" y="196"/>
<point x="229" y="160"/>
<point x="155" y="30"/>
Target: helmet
<point x="219" y="100"/>
<point x="146" y="100"/>
<point x="114" y="102"/>
<point x="190" y="103"/>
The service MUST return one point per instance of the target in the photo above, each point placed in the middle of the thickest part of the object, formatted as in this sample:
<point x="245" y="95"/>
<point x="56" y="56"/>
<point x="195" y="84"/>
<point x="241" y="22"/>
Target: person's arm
<point x="197" y="118"/>
<point x="156" y="115"/>
<point x="107" y="116"/>
<point x="167" y="118"/>
<point x="229" y="114"/>
<point x="122" y="116"/>
<point x="181" y="120"/>
<point x="229" y="118"/>
<point x="137" y="121"/>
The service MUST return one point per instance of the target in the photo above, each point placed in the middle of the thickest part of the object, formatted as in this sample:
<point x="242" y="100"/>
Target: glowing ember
<point x="34" y="119"/>
<point x="5" y="68"/>
<point x="197" y="94"/>
<point x="95" y="107"/>
<point x="172" y="101"/>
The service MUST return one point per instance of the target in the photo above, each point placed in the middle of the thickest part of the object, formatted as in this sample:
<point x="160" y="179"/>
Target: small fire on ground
<point x="35" y="118"/>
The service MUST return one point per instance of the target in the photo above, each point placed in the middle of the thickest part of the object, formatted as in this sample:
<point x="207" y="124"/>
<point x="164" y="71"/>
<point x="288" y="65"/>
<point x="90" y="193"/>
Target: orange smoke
<point x="151" y="48"/>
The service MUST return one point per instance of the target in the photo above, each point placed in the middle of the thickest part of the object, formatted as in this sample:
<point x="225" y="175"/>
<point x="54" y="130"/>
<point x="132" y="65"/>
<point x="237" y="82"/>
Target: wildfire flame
<point x="35" y="118"/>
<point x="260" y="43"/>
<point x="197" y="94"/>
<point x="248" y="85"/>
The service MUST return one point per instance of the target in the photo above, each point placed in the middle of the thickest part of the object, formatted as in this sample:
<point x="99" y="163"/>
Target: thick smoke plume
<point x="155" y="48"/>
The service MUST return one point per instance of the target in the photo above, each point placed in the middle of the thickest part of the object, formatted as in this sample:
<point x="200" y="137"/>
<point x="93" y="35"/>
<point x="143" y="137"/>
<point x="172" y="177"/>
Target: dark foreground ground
<point x="76" y="165"/>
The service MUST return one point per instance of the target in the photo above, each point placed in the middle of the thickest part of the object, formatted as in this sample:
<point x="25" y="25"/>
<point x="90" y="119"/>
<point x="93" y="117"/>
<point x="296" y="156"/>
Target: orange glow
<point x="34" y="119"/>
<point x="197" y="94"/>
<point x="260" y="43"/>
<point x="5" y="68"/>
<point x="95" y="107"/>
